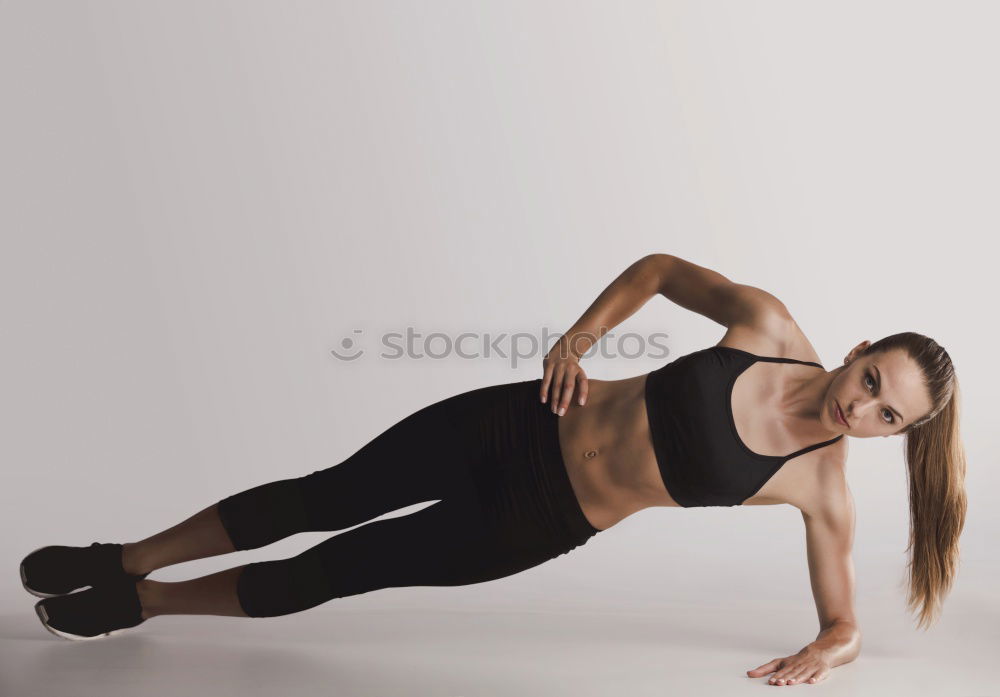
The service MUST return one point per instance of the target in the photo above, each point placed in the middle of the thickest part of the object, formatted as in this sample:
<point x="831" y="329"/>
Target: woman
<point x="524" y="473"/>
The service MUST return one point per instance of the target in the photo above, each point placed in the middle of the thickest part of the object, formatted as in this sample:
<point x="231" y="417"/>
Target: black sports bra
<point x="702" y="460"/>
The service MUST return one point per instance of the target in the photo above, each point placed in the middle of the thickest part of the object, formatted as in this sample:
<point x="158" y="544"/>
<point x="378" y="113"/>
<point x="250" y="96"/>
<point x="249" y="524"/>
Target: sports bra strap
<point x="772" y="359"/>
<point x="814" y="446"/>
<point x="778" y="359"/>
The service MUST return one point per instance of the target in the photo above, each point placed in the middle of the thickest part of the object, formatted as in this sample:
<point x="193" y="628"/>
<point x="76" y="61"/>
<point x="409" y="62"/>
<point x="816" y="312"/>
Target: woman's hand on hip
<point x="562" y="375"/>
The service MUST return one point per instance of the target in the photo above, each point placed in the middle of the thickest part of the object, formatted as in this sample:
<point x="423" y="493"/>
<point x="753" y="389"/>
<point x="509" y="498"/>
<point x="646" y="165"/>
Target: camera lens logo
<point x="347" y="343"/>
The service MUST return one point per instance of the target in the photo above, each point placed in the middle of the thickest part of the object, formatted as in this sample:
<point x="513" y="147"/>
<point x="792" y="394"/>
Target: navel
<point x="590" y="453"/>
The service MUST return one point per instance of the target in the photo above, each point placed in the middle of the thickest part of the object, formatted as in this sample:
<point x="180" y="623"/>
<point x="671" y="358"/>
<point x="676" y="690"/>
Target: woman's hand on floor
<point x="810" y="665"/>
<point x="562" y="374"/>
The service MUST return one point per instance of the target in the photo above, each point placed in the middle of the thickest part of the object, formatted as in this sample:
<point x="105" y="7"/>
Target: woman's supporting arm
<point x="829" y="538"/>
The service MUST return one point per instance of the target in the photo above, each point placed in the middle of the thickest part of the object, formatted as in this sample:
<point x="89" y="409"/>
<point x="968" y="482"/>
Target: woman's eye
<point x="871" y="386"/>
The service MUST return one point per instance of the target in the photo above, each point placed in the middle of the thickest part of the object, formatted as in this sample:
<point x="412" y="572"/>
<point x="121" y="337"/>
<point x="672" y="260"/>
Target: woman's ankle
<point x="147" y="598"/>
<point x="133" y="561"/>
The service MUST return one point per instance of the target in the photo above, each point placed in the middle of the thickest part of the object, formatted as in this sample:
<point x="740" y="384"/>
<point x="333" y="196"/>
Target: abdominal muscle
<point x="608" y="452"/>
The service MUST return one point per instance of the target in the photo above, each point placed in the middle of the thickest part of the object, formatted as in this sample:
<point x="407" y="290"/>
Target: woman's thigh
<point x="453" y="542"/>
<point x="428" y="455"/>
<point x="445" y="447"/>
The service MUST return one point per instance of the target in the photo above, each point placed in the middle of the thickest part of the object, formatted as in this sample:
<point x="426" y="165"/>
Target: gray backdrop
<point x="201" y="200"/>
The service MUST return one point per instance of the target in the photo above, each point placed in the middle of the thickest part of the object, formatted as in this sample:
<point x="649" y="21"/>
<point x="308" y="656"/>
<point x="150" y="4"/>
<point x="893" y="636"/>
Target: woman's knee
<point x="283" y="586"/>
<point x="264" y="514"/>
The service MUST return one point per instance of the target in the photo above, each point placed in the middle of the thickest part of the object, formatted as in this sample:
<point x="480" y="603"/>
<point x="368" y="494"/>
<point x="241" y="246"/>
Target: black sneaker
<point x="101" y="611"/>
<point x="58" y="570"/>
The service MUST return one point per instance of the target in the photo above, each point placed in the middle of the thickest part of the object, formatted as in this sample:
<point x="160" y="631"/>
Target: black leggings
<point x="492" y="457"/>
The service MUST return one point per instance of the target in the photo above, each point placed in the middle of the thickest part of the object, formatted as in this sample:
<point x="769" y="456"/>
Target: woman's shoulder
<point x="771" y="334"/>
<point x="830" y="498"/>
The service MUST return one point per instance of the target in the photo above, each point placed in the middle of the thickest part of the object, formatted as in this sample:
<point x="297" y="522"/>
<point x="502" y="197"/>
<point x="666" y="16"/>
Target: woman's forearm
<point x="627" y="293"/>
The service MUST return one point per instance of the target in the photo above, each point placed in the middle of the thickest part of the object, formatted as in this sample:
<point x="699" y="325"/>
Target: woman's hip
<point x="518" y="466"/>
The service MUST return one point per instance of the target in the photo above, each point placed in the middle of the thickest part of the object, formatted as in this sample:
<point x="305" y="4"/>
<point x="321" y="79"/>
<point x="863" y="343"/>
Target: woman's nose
<point x="861" y="407"/>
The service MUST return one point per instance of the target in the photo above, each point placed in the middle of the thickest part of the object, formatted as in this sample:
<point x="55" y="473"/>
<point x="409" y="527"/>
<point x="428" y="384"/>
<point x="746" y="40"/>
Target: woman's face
<point x="878" y="395"/>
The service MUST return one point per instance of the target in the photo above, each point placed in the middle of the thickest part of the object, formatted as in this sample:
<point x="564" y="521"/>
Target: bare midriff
<point x="609" y="454"/>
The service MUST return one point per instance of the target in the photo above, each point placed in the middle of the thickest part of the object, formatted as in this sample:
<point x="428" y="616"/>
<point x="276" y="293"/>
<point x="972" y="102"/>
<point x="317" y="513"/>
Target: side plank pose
<point x="521" y="475"/>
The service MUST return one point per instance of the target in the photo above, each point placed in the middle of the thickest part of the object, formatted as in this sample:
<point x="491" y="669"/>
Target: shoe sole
<point x="44" y="617"/>
<point x="24" y="581"/>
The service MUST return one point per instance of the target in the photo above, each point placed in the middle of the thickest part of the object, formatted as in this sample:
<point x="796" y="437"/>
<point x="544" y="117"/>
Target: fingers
<point x="768" y="667"/>
<point x="558" y="384"/>
<point x="567" y="392"/>
<point x="556" y="392"/>
<point x="546" y="379"/>
<point x="789" y="675"/>
<point x="562" y="390"/>
<point x="811" y="674"/>
<point x="807" y="672"/>
<point x="797" y="671"/>
<point x="820" y="675"/>
<point x="792" y="670"/>
<point x="552" y="384"/>
<point x="794" y="674"/>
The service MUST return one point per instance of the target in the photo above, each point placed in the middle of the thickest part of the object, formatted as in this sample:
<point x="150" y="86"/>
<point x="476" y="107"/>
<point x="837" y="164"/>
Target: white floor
<point x="676" y="649"/>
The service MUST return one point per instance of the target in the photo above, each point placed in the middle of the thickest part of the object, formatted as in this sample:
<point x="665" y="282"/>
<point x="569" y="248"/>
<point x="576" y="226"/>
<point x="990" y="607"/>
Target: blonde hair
<point x="935" y="466"/>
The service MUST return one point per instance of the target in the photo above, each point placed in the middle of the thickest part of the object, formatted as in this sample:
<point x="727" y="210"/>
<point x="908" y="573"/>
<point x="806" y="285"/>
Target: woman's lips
<point x="840" y="415"/>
